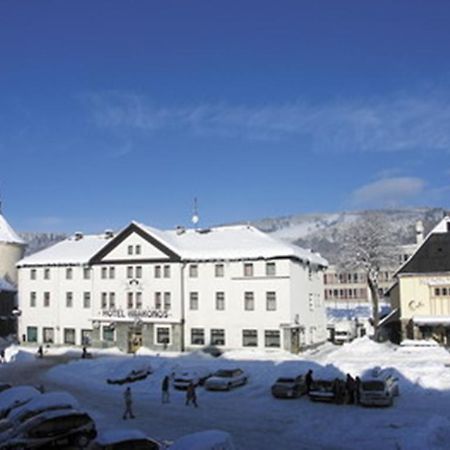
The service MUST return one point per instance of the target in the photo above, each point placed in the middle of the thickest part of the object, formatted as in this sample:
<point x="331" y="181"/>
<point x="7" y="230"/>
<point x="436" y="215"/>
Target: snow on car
<point x="15" y="397"/>
<point x="289" y="387"/>
<point x="378" y="388"/>
<point x="225" y="379"/>
<point x="205" y="440"/>
<point x="60" y="429"/>
<point x="125" y="439"/>
<point x="183" y="377"/>
<point x="44" y="402"/>
<point x="129" y="371"/>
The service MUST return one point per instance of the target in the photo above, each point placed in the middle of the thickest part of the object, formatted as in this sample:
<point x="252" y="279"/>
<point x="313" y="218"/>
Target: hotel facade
<point x="229" y="287"/>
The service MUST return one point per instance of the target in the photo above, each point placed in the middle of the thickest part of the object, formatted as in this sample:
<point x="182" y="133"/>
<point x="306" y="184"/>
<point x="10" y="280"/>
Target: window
<point x="138" y="300"/>
<point x="220" y="301"/>
<point x="137" y="249"/>
<point x="219" y="270"/>
<point x="69" y="273"/>
<point x="46" y="299"/>
<point x="166" y="271"/>
<point x="32" y="334"/>
<point x="130" y="249"/>
<point x="33" y="274"/>
<point x="197" y="336"/>
<point x="248" y="269"/>
<point x="112" y="300"/>
<point x="193" y="271"/>
<point x="158" y="300"/>
<point x="130" y="272"/>
<point x="437" y="292"/>
<point x="86" y="337"/>
<point x="249" y="301"/>
<point x="272" y="338"/>
<point x="46" y="274"/>
<point x="271" y="301"/>
<point x="112" y="272"/>
<point x="157" y="271"/>
<point x="69" y="299"/>
<point x="130" y="300"/>
<point x="193" y="300"/>
<point x="138" y="271"/>
<point x="86" y="273"/>
<point x="86" y="300"/>
<point x="104" y="272"/>
<point x="48" y="335"/>
<point x="270" y="269"/>
<point x="444" y="291"/>
<point x="32" y="299"/>
<point x="166" y="301"/>
<point x="250" y="338"/>
<point x="311" y="301"/>
<point x="104" y="300"/>
<point x="162" y="335"/>
<point x="69" y="336"/>
<point x="108" y="333"/>
<point x="217" y="336"/>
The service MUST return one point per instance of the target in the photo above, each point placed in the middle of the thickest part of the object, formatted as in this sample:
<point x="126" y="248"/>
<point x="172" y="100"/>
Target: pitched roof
<point x="7" y="234"/>
<point x="433" y="255"/>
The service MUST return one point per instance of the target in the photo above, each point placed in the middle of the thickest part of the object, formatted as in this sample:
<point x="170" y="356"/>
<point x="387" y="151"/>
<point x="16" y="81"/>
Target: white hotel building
<point x="230" y="287"/>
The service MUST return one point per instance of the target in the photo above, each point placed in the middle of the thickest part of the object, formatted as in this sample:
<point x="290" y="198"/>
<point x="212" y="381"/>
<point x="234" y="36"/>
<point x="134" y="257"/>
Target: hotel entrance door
<point x="134" y="340"/>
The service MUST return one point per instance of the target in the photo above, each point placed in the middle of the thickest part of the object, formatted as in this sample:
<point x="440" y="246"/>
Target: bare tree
<point x="369" y="246"/>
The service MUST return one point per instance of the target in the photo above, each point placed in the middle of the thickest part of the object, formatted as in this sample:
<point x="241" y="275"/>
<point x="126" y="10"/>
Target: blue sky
<point x="119" y="110"/>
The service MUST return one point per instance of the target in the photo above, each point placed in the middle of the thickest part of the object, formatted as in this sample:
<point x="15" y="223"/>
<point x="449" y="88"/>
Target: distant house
<point x="420" y="297"/>
<point x="12" y="248"/>
<point x="228" y="287"/>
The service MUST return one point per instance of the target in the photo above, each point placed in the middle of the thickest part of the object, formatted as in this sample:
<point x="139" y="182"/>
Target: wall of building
<point x="10" y="254"/>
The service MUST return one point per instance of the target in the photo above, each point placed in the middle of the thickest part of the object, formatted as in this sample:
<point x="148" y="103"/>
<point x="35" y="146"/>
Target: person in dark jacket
<point x="191" y="395"/>
<point x="309" y="380"/>
<point x="350" y="387"/>
<point x="357" y="390"/>
<point x="128" y="398"/>
<point x="165" y="397"/>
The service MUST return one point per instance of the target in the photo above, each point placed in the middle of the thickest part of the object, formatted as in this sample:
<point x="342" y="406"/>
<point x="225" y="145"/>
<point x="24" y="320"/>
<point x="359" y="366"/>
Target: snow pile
<point x="205" y="440"/>
<point x="14" y="353"/>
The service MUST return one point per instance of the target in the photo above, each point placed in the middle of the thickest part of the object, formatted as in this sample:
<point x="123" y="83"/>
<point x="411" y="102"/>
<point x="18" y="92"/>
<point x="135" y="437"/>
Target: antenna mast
<point x="195" y="216"/>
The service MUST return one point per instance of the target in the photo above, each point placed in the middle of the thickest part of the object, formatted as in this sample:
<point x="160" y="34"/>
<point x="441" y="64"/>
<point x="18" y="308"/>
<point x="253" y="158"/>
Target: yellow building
<point x="420" y="297"/>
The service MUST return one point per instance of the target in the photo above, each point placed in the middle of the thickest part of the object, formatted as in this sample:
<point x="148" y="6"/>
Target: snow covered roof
<point x="205" y="440"/>
<point x="431" y="320"/>
<point x="6" y="286"/>
<point x="72" y="251"/>
<point x="7" y="234"/>
<point x="229" y="242"/>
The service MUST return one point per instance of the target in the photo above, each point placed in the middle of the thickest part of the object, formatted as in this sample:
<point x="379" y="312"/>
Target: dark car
<point x="60" y="429"/>
<point x="322" y="391"/>
<point x="125" y="375"/>
<point x="289" y="387"/>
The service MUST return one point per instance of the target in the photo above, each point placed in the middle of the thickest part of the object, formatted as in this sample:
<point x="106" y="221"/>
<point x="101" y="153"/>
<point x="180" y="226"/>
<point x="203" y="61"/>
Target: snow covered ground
<point x="419" y="419"/>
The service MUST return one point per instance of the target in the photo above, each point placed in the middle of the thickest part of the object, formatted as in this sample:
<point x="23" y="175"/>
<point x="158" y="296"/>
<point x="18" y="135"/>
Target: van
<point x="378" y="389"/>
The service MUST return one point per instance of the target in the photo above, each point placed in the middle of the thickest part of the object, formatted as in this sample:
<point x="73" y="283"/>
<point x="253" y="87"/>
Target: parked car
<point x="15" y="397"/>
<point x="44" y="402"/>
<point x="5" y="386"/>
<point x="378" y="389"/>
<point x="60" y="429"/>
<point x="225" y="379"/>
<point x="125" y="440"/>
<point x="289" y="387"/>
<point x="322" y="391"/>
<point x="205" y="440"/>
<point x="183" y="377"/>
<point x="126" y="374"/>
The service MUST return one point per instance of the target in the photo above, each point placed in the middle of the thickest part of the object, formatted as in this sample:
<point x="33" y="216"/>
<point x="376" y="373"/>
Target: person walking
<point x="350" y="387"/>
<point x="128" y="404"/>
<point x="165" y="396"/>
<point x="357" y="390"/>
<point x="191" y="395"/>
<point x="40" y="352"/>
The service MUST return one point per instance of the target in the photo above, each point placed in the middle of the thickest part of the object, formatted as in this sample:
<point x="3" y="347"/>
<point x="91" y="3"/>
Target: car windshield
<point x="286" y="380"/>
<point x="135" y="444"/>
<point x="224" y="373"/>
<point x="372" y="385"/>
<point x="59" y="425"/>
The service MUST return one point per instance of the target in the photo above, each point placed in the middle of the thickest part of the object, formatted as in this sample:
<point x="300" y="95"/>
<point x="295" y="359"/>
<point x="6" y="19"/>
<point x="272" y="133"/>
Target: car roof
<point x="112" y="436"/>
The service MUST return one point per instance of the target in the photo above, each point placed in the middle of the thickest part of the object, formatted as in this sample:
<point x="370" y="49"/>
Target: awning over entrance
<point x="431" y="320"/>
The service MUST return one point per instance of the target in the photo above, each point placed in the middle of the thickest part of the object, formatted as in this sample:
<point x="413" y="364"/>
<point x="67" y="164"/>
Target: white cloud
<point x="389" y="192"/>
<point x="393" y="123"/>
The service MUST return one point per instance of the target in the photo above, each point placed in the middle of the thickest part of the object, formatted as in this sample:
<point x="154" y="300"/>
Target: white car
<point x="129" y="371"/>
<point x="197" y="376"/>
<point x="60" y="429"/>
<point x="378" y="389"/>
<point x="125" y="440"/>
<point x="225" y="379"/>
<point x="205" y="440"/>
<point x="15" y="397"/>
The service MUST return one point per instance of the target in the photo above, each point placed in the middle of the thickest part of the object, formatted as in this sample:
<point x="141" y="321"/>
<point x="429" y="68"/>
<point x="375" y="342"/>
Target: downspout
<point x="183" y="319"/>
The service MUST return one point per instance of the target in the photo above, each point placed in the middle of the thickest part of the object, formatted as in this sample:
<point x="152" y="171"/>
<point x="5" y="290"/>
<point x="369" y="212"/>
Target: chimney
<point x="78" y="235"/>
<point x="180" y="229"/>
<point x="109" y="234"/>
<point x="419" y="232"/>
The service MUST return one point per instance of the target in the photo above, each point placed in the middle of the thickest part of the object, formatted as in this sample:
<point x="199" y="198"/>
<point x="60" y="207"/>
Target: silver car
<point x="226" y="379"/>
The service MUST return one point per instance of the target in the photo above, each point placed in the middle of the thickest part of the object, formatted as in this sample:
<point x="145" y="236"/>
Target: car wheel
<point x="228" y="386"/>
